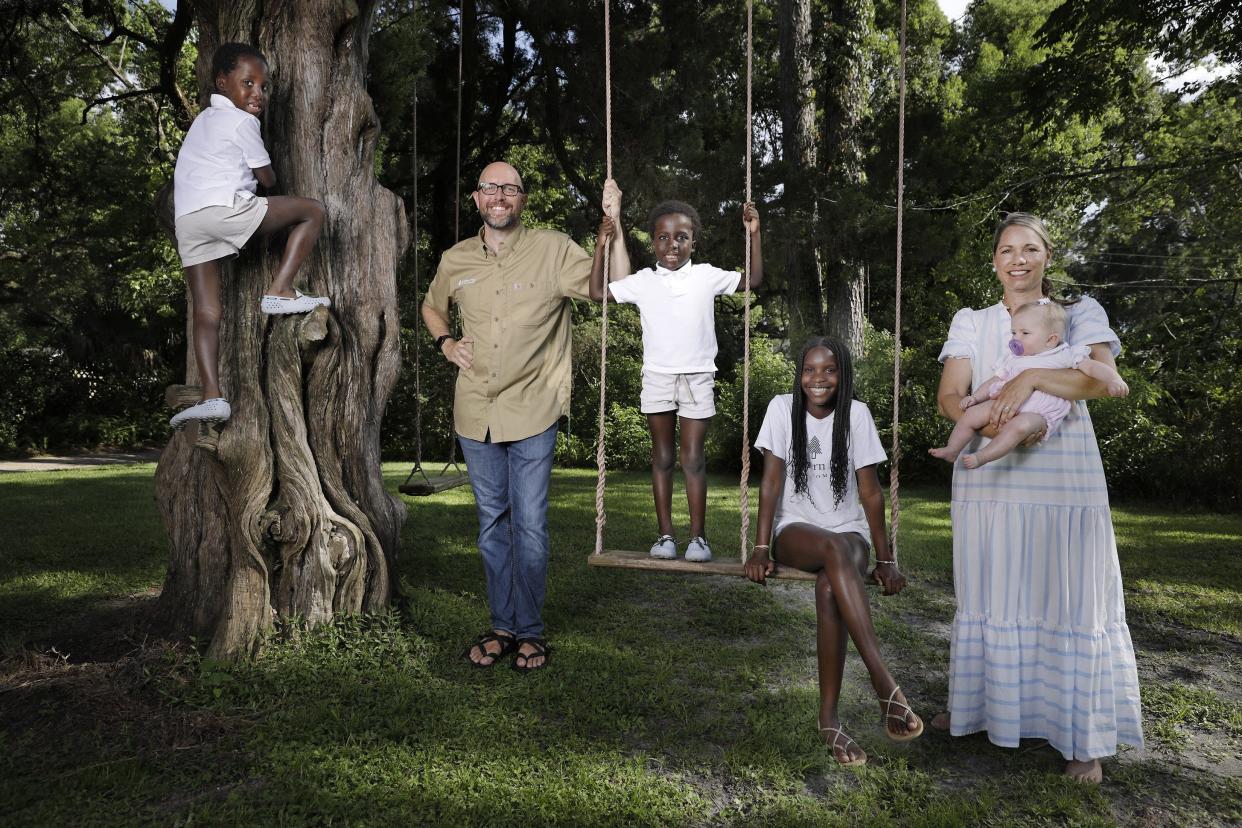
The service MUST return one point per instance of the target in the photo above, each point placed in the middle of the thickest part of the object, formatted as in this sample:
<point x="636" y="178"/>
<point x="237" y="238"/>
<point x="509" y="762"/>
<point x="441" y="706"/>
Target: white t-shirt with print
<point x="816" y="506"/>
<point x="678" y="314"/>
<point x="217" y="159"/>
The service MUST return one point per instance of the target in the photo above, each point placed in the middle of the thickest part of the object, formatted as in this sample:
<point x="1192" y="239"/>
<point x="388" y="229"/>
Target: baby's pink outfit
<point x="1053" y="409"/>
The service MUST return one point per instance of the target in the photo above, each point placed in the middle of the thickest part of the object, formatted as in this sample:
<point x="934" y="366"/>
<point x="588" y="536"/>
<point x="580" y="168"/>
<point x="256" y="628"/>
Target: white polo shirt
<point x="217" y="158"/>
<point x="678" y="314"/>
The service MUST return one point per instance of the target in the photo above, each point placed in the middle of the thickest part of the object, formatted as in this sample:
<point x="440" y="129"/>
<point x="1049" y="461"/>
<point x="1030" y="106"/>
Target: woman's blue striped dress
<point x="1040" y="646"/>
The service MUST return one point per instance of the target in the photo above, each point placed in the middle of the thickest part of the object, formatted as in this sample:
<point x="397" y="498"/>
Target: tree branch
<point x="170" y="50"/>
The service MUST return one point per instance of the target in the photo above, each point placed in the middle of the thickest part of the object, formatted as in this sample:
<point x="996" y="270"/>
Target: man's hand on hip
<point x="460" y="352"/>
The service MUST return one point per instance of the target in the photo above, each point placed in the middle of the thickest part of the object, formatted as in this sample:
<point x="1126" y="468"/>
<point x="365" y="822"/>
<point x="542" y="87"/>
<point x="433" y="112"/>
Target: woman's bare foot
<point x="1089" y="772"/>
<point x="940" y="721"/>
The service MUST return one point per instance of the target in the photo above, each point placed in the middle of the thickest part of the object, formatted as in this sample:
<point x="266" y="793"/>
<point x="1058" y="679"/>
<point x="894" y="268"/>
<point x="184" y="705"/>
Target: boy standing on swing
<point x="513" y="285"/>
<point x="676" y="301"/>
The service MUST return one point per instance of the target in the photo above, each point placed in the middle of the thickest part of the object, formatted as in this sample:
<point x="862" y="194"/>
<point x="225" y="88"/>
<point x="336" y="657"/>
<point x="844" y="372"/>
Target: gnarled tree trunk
<point x="803" y="271"/>
<point x="849" y="25"/>
<point x="285" y="514"/>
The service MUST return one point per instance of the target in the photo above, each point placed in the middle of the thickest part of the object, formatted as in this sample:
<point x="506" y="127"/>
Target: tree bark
<point x="284" y="514"/>
<point x="803" y="270"/>
<point x="848" y="26"/>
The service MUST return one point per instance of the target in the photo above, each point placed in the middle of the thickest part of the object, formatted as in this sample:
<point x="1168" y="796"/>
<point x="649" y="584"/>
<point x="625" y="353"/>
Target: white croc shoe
<point x="697" y="551"/>
<point x="300" y="303"/>
<point x="665" y="548"/>
<point x="214" y="410"/>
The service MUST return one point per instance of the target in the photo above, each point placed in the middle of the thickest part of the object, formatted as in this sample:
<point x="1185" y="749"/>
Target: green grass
<point x="670" y="700"/>
<point x="73" y="538"/>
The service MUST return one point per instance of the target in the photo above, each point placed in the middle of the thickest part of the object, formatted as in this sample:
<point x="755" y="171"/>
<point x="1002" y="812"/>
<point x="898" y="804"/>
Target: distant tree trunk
<point x="845" y="94"/>
<point x="285" y="515"/>
<point x="803" y="272"/>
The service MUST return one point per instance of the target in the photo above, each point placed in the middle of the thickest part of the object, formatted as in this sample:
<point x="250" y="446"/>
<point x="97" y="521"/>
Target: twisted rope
<point x="461" y="45"/>
<point x="461" y="30"/>
<point x="600" y="462"/>
<point x="418" y="346"/>
<point x="745" y="482"/>
<point x="894" y="477"/>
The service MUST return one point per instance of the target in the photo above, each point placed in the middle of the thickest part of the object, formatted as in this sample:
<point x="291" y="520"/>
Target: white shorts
<point x="690" y="395"/>
<point x="215" y="232"/>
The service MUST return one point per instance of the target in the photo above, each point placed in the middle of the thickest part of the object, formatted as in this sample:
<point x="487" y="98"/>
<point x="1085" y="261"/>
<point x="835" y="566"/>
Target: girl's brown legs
<point x="204" y="282"/>
<point x="304" y="218"/>
<point x="830" y="649"/>
<point x="842" y="561"/>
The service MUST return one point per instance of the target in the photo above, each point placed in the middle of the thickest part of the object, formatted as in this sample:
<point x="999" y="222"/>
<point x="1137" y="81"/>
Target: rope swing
<point x="894" y="501"/>
<point x="744" y="496"/>
<point x="600" y="460"/>
<point x="444" y="481"/>
<point x="642" y="560"/>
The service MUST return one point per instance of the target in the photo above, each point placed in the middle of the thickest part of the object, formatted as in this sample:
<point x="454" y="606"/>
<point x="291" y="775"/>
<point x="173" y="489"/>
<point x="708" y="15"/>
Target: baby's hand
<point x="968" y="401"/>
<point x="606" y="229"/>
<point x="750" y="217"/>
<point x="1118" y="388"/>
<point x="612" y="199"/>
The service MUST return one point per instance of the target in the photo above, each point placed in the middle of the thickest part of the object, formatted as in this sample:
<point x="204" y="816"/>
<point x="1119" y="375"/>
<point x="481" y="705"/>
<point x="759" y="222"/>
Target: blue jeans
<point x="510" y="482"/>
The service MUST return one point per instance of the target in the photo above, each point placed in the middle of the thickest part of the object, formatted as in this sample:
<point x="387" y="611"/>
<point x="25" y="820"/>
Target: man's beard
<point x="501" y="224"/>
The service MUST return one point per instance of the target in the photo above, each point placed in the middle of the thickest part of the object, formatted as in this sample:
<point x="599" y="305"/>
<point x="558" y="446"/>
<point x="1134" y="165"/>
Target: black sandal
<point x="508" y="643"/>
<point x="541" y="649"/>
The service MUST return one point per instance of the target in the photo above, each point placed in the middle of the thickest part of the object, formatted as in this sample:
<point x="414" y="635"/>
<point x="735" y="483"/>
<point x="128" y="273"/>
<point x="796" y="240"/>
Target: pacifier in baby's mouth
<point x="1015" y="347"/>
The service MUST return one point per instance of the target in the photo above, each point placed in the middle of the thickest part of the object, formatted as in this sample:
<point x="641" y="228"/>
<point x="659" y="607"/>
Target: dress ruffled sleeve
<point x="961" y="343"/>
<point x="1088" y="325"/>
<point x="1077" y="353"/>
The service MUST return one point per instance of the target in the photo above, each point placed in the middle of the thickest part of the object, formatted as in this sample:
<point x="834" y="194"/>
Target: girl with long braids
<point x="821" y="510"/>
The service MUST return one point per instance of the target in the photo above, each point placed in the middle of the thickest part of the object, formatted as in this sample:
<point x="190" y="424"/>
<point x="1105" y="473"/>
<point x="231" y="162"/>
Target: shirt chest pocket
<point x="473" y="302"/>
<point x="527" y="303"/>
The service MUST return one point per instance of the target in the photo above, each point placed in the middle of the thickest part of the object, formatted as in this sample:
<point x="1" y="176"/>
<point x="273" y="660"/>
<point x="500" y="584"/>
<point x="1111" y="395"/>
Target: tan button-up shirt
<point x="515" y="303"/>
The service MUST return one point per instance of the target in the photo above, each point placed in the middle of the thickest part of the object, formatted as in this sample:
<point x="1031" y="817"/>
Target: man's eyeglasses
<point x="489" y="188"/>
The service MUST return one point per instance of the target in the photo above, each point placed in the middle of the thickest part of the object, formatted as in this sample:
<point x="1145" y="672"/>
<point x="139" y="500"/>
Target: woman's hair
<point x="840" y="466"/>
<point x="665" y="208"/>
<point x="224" y="59"/>
<point x="1036" y="225"/>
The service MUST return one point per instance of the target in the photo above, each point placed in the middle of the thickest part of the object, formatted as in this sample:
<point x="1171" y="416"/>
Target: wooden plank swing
<point x="623" y="559"/>
<point x="426" y="484"/>
<point x="642" y="561"/>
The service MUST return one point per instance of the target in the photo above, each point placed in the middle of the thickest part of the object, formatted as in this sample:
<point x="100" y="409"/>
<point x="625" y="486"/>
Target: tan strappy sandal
<point x="911" y="732"/>
<point x="832" y="745"/>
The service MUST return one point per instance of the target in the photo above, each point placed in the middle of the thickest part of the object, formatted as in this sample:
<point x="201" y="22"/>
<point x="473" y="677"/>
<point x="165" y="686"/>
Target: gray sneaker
<point x="697" y="551"/>
<point x="665" y="548"/>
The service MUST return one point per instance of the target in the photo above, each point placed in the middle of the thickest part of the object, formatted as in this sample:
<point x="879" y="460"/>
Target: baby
<point x="1038" y="329"/>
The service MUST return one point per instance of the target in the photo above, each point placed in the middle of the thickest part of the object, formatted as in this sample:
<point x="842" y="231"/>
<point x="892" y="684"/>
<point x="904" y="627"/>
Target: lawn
<point x="670" y="700"/>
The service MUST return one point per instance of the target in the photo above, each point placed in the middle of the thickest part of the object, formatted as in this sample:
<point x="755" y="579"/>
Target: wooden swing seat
<point x="433" y="484"/>
<point x="617" y="559"/>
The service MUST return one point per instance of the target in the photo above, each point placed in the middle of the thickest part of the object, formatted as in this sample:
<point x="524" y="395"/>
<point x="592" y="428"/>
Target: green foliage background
<point x="1055" y="108"/>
